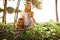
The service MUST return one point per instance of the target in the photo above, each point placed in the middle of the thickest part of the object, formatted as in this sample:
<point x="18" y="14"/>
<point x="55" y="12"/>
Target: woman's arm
<point x="33" y="21"/>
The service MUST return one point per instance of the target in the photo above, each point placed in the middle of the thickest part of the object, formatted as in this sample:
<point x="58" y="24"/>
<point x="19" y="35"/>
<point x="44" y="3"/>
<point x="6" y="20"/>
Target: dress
<point x="27" y="20"/>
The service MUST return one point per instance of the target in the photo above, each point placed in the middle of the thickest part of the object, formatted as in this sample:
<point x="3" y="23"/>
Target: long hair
<point x="26" y="10"/>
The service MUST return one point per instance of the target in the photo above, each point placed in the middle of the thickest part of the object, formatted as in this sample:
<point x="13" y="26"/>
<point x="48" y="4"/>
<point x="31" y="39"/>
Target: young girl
<point x="31" y="19"/>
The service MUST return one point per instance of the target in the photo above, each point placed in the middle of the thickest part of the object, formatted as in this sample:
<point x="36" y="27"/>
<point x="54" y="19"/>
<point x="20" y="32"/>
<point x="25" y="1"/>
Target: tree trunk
<point x="4" y="12"/>
<point x="57" y="19"/>
<point x="16" y="13"/>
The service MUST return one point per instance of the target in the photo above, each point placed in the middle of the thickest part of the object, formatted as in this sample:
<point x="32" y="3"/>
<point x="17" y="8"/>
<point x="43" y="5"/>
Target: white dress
<point x="26" y="18"/>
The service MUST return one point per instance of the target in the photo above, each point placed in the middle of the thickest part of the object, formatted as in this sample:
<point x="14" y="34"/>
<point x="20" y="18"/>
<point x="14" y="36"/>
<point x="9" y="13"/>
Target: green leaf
<point x="54" y="25"/>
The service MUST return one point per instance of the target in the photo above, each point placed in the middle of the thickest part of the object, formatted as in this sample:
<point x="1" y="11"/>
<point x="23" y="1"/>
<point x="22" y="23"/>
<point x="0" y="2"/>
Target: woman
<point x="24" y="15"/>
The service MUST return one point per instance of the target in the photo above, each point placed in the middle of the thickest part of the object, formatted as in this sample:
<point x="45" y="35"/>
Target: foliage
<point x="35" y="3"/>
<point x="56" y="26"/>
<point x="1" y="24"/>
<point x="9" y="27"/>
<point x="6" y="31"/>
<point x="11" y="10"/>
<point x="40" y="31"/>
<point x="1" y="10"/>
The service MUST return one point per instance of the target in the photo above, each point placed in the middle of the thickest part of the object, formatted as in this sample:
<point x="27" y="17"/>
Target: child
<point x="20" y="24"/>
<point x="30" y="14"/>
<point x="19" y="28"/>
<point x="31" y="19"/>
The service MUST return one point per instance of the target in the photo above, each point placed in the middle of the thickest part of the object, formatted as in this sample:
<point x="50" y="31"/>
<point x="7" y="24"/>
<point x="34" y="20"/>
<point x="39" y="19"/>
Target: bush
<point x="40" y="31"/>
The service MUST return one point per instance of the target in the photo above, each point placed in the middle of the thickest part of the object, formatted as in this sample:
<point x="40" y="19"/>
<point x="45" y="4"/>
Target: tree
<point x="57" y="19"/>
<point x="4" y="12"/>
<point x="9" y="10"/>
<point x="16" y="13"/>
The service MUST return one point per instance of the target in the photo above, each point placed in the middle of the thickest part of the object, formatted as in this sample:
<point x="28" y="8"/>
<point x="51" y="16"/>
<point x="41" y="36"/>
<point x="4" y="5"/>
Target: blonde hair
<point x="26" y="7"/>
